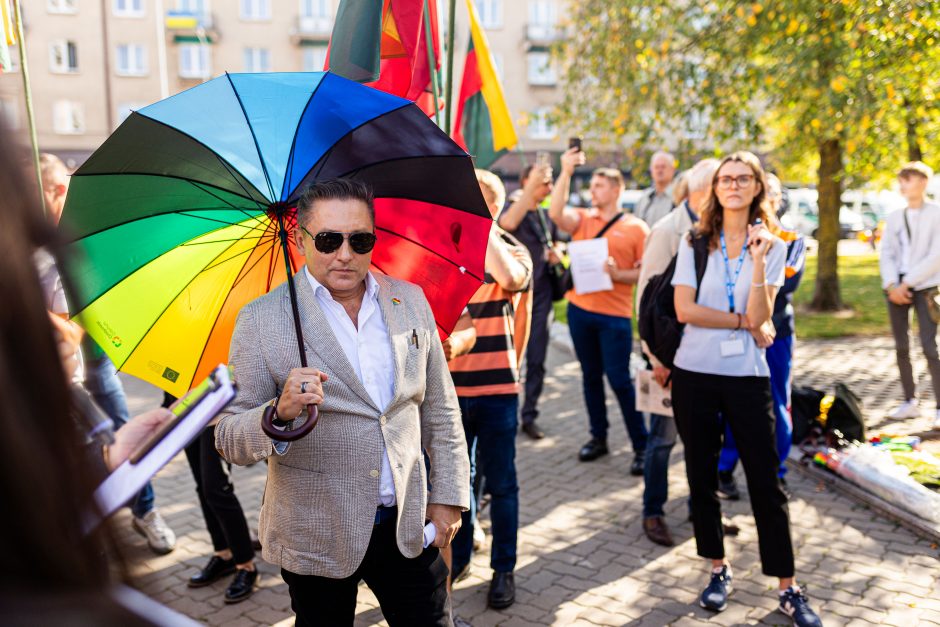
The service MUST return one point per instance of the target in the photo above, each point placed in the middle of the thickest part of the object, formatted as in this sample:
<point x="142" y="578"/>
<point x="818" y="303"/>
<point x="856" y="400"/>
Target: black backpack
<point x="659" y="327"/>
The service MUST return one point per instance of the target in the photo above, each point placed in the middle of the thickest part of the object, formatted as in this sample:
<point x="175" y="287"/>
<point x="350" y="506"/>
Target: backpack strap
<point x="700" y="252"/>
<point x="609" y="224"/>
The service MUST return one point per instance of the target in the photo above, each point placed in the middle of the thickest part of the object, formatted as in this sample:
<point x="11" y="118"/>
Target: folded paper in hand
<point x="650" y="396"/>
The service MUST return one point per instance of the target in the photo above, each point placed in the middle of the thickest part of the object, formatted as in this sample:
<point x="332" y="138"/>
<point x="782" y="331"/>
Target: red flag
<point x="404" y="68"/>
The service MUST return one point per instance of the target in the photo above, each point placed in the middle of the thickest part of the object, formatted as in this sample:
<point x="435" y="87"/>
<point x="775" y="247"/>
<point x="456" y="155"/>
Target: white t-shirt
<point x="700" y="349"/>
<point x="913" y="219"/>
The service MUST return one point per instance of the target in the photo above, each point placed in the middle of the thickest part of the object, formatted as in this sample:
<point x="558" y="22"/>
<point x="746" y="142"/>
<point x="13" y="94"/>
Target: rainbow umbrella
<point x="175" y="219"/>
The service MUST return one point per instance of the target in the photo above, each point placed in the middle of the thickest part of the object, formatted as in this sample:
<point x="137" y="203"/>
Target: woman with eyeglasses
<point x="721" y="376"/>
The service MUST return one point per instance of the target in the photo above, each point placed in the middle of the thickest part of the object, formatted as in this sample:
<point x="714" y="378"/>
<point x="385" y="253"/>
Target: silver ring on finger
<point x="303" y="387"/>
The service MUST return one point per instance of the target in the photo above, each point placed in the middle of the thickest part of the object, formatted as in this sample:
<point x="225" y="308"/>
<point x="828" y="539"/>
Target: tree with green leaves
<point x="850" y="88"/>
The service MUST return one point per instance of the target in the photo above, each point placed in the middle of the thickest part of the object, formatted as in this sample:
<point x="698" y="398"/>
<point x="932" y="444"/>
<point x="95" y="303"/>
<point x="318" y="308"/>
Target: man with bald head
<point x="656" y="201"/>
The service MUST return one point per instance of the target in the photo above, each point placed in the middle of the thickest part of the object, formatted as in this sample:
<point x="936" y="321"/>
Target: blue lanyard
<point x="730" y="281"/>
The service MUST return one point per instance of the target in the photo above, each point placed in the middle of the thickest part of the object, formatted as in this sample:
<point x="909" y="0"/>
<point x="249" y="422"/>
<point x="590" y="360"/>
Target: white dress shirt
<point x="369" y="351"/>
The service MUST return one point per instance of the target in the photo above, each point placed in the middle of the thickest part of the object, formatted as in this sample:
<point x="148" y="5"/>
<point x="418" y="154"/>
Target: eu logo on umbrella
<point x="175" y="219"/>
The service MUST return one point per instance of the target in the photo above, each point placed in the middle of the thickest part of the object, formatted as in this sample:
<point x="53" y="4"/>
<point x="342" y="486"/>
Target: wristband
<point x="738" y="328"/>
<point x="758" y="284"/>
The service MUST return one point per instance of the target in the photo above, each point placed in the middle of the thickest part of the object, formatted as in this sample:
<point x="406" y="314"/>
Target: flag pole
<point x="449" y="84"/>
<point x="24" y="68"/>
<point x="432" y="61"/>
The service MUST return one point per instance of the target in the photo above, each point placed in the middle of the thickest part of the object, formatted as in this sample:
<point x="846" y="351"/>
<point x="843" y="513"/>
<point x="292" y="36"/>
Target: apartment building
<point x="92" y="62"/>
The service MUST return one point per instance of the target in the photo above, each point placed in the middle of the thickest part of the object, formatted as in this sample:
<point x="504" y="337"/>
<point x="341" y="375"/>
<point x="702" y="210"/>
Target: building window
<point x="540" y="125"/>
<point x="129" y="8"/>
<point x="197" y="7"/>
<point x="491" y="13"/>
<point x="9" y="114"/>
<point x="543" y="12"/>
<point x="125" y="109"/>
<point x="315" y="8"/>
<point x="541" y="70"/>
<point x="63" y="57"/>
<point x="195" y="61"/>
<point x="68" y="117"/>
<point x="256" y="9"/>
<point x="131" y="60"/>
<point x="314" y="58"/>
<point x="62" y="6"/>
<point x="257" y="59"/>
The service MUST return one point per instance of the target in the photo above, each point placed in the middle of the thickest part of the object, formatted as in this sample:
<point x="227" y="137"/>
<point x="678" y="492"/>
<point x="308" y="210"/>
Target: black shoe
<point x="502" y="591"/>
<point x="715" y="596"/>
<point x="786" y="489"/>
<point x="727" y="487"/>
<point x="243" y="584"/>
<point x="639" y="462"/>
<point x="532" y="431"/>
<point x="216" y="568"/>
<point x="592" y="450"/>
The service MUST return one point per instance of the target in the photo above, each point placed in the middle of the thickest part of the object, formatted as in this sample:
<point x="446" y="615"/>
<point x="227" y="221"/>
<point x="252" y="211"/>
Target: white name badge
<point x="732" y="347"/>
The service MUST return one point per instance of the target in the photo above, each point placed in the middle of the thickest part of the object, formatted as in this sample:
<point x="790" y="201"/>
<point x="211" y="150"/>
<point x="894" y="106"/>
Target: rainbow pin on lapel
<point x="395" y="301"/>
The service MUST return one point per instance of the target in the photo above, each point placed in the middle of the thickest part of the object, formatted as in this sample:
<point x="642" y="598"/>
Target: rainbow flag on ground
<point x="483" y="126"/>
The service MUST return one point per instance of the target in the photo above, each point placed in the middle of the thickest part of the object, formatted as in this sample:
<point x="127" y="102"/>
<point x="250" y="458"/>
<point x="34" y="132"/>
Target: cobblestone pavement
<point x="583" y="557"/>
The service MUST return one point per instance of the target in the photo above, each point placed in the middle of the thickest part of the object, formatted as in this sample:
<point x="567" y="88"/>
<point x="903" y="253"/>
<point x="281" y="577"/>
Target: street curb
<point x="925" y="529"/>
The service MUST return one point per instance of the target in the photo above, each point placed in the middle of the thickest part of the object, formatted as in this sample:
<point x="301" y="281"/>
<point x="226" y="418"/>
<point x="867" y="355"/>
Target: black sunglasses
<point x="329" y="241"/>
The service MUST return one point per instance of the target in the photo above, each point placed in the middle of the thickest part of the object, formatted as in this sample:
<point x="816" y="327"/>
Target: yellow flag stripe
<point x="504" y="135"/>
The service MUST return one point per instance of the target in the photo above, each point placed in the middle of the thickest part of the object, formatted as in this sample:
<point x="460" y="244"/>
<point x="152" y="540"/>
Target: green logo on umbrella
<point x="171" y="375"/>
<point x="116" y="341"/>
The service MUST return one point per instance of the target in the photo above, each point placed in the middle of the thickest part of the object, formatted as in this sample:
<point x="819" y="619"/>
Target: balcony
<point x="542" y="34"/>
<point x="309" y="29"/>
<point x="191" y="24"/>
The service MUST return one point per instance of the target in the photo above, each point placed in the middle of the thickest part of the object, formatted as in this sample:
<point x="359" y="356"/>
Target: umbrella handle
<point x="288" y="435"/>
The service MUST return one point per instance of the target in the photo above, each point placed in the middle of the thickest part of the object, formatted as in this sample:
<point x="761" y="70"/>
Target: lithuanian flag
<point x="383" y="44"/>
<point x="483" y="126"/>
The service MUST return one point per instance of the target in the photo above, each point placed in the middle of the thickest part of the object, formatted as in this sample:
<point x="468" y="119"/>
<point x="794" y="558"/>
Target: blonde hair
<point x="53" y="170"/>
<point x="494" y="184"/>
<point x="613" y="175"/>
<point x="680" y="190"/>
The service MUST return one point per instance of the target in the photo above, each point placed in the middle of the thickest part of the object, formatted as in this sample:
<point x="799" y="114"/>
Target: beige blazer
<point x="319" y="505"/>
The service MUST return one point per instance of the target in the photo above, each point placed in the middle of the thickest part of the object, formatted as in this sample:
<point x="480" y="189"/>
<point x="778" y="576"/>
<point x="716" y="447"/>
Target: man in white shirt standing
<point x="656" y="201"/>
<point x="910" y="274"/>
<point x="349" y="501"/>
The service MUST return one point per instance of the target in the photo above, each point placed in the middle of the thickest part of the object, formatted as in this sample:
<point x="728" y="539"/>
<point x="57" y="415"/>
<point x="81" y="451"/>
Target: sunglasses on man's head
<point x="329" y="241"/>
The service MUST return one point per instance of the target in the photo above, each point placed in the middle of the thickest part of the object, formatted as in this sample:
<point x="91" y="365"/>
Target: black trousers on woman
<point x="225" y="519"/>
<point x="703" y="403"/>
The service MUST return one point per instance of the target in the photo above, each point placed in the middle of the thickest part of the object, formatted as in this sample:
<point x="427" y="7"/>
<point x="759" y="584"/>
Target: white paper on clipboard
<point x="650" y="396"/>
<point x="128" y="479"/>
<point x="588" y="259"/>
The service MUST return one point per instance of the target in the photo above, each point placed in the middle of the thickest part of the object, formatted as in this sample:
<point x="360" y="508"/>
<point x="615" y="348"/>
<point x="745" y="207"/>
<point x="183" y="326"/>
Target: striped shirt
<point x="501" y="319"/>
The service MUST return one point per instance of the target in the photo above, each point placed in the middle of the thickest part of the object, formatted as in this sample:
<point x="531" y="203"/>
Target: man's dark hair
<point x="526" y="171"/>
<point x="334" y="189"/>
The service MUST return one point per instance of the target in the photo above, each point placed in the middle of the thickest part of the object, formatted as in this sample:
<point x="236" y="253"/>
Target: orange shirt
<point x="625" y="241"/>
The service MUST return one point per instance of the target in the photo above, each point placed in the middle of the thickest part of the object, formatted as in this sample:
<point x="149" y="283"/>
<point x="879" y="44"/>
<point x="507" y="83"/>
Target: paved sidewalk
<point x="584" y="559"/>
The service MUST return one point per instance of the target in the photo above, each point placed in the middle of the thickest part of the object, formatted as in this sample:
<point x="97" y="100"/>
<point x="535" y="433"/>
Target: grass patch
<point x="860" y="282"/>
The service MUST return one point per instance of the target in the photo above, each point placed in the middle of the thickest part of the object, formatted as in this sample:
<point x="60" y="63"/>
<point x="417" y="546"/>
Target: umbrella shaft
<point x="293" y="292"/>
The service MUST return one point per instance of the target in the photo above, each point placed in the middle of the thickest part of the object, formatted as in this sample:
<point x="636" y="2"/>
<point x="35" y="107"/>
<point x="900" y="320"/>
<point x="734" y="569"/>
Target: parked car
<point x="629" y="198"/>
<point x="803" y="215"/>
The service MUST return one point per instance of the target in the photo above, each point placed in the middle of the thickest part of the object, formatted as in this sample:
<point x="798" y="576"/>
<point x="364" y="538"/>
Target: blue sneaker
<point x="794" y="604"/>
<point x="715" y="596"/>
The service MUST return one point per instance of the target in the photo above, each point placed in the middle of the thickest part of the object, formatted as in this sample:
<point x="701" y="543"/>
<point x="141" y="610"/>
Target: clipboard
<point x="191" y="414"/>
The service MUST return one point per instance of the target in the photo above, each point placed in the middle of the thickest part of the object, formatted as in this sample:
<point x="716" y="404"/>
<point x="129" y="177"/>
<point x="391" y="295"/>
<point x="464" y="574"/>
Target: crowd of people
<point x="422" y="432"/>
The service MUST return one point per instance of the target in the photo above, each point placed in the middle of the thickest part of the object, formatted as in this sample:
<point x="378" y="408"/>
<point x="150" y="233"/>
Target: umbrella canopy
<point x="174" y="218"/>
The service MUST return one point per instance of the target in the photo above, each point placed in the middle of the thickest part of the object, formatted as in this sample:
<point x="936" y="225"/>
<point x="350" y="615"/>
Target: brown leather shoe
<point x="657" y="530"/>
<point x="729" y="528"/>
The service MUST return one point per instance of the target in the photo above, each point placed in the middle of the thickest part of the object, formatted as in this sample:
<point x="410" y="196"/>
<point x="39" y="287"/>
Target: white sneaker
<point x="936" y="420"/>
<point x="159" y="536"/>
<point x="907" y="409"/>
<point x="479" y="536"/>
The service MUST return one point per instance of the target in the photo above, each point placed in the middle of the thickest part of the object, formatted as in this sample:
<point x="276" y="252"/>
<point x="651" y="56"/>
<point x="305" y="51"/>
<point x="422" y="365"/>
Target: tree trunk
<point x="826" y="296"/>
<point x="914" y="153"/>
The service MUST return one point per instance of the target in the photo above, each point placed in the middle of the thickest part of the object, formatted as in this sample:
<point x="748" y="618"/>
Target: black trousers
<point x="703" y="403"/>
<point x="225" y="519"/>
<point x="536" y="351"/>
<point x="411" y="592"/>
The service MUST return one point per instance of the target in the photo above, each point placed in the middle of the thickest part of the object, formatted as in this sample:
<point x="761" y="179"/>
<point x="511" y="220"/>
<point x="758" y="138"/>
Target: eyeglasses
<point x="329" y="241"/>
<point x="745" y="180"/>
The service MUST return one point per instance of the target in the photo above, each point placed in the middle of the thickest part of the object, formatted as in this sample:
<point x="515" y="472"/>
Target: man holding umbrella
<point x="349" y="502"/>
